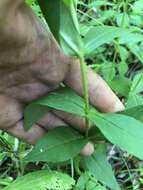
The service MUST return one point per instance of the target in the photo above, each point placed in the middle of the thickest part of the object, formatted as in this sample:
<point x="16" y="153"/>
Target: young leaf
<point x="123" y="19"/>
<point x="62" y="20"/>
<point x="122" y="68"/>
<point x="41" y="180"/>
<point x="123" y="52"/>
<point x="98" y="166"/>
<point x="123" y="131"/>
<point x="100" y="35"/>
<point x="58" y="145"/>
<point x="63" y="99"/>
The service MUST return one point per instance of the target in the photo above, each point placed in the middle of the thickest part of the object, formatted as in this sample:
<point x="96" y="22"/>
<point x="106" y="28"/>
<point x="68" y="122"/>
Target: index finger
<point x="100" y="94"/>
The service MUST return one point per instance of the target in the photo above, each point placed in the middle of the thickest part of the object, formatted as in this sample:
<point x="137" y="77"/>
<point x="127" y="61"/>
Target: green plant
<point x="92" y="28"/>
<point x="46" y="180"/>
<point x="109" y="124"/>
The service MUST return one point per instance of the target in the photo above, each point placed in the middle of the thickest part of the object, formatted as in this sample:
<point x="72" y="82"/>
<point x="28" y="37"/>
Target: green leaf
<point x="123" y="19"/>
<point x="132" y="38"/>
<point x="134" y="100"/>
<point x="136" y="50"/>
<point x="88" y="182"/>
<point x="122" y="68"/>
<point x="82" y="181"/>
<point x="92" y="185"/>
<point x="33" y="113"/>
<point x="123" y="131"/>
<point x="124" y="53"/>
<point x="62" y="20"/>
<point x="99" y="3"/>
<point x="30" y="2"/>
<point x="41" y="180"/>
<point x="120" y="85"/>
<point x="5" y="181"/>
<point x="108" y="71"/>
<point x="100" y="35"/>
<point x="98" y="166"/>
<point x="138" y="6"/>
<point x="137" y="85"/>
<point x="52" y="19"/>
<point x="63" y="99"/>
<point x="58" y="145"/>
<point x="136" y="112"/>
<point x="136" y="19"/>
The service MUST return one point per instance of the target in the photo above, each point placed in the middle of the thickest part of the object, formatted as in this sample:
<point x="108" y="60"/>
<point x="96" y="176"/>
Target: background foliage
<point x="112" y="34"/>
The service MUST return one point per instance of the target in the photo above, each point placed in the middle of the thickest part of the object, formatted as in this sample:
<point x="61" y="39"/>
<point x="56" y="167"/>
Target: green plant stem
<point x="77" y="165"/>
<point x="125" y="9"/>
<point x="72" y="168"/>
<point x="116" y="47"/>
<point x="126" y="5"/>
<point x="83" y="67"/>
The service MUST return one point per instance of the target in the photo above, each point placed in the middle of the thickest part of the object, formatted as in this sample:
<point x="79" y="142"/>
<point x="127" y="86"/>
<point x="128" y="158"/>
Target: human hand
<point x="31" y="66"/>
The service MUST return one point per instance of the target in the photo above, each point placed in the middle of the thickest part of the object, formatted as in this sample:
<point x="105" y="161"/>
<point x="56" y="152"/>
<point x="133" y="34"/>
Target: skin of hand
<point x="32" y="65"/>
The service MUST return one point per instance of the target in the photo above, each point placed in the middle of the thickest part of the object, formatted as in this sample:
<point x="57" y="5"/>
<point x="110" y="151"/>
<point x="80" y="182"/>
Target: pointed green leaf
<point x="58" y="145"/>
<point x="136" y="112"/>
<point x="137" y="85"/>
<point x="62" y="20"/>
<point x="100" y="35"/>
<point x="63" y="99"/>
<point x="121" y="85"/>
<point x="137" y="51"/>
<point x="33" y="113"/>
<point x="98" y="166"/>
<point x="123" y="131"/>
<point x="134" y="100"/>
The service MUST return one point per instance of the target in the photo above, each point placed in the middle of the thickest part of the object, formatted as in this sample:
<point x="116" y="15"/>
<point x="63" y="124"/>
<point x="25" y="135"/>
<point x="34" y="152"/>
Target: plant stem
<point x="125" y="9"/>
<point x="83" y="67"/>
<point x="72" y="168"/>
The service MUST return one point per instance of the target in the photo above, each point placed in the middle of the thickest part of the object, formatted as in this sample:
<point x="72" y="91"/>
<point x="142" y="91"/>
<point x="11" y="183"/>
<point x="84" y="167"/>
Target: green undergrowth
<point x="106" y="36"/>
